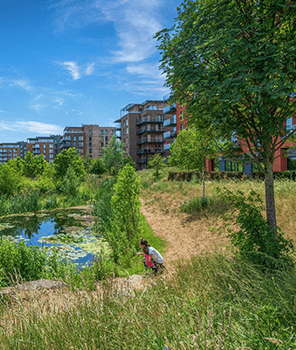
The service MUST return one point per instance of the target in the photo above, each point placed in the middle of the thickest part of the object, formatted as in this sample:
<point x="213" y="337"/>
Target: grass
<point x="214" y="302"/>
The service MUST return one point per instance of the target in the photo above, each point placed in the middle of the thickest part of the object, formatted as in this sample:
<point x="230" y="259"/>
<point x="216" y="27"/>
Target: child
<point x="148" y="260"/>
<point x="154" y="255"/>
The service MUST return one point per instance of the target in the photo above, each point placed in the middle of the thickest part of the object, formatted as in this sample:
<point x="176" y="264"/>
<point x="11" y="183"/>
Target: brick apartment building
<point x="140" y="128"/>
<point x="87" y="139"/>
<point x="10" y="151"/>
<point x="48" y="146"/>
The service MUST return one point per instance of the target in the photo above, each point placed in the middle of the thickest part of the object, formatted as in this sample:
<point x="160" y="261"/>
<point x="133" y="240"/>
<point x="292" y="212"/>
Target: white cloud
<point x="135" y="22"/>
<point x="73" y="68"/>
<point x="60" y="101"/>
<point x="39" y="128"/>
<point x="37" y="107"/>
<point x="89" y="69"/>
<point x="2" y="111"/>
<point x="21" y="84"/>
<point x="31" y="126"/>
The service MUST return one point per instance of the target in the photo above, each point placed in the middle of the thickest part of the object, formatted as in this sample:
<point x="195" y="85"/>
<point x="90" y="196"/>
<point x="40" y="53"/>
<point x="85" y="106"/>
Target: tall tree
<point x="191" y="149"/>
<point x="66" y="159"/>
<point x="233" y="62"/>
<point x="113" y="156"/>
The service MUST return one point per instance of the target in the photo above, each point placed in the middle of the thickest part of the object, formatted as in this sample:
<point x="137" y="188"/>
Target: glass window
<point x="74" y="138"/>
<point x="106" y="132"/>
<point x="106" y="138"/>
<point x="79" y="150"/>
<point x="113" y="132"/>
<point x="89" y="138"/>
<point x="89" y="132"/>
<point x="74" y="144"/>
<point x="127" y="130"/>
<point x="102" y="138"/>
<point x="50" y="146"/>
<point x="102" y="144"/>
<point x="90" y="144"/>
<point x="80" y="138"/>
<point x="44" y="146"/>
<point x="181" y="126"/>
<point x="51" y="156"/>
<point x="80" y="144"/>
<point x="102" y="132"/>
<point x="126" y="122"/>
<point x="51" y="151"/>
<point x="89" y="150"/>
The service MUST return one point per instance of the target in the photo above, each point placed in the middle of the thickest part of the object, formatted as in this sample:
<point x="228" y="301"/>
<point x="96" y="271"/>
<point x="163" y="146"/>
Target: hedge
<point x="229" y="175"/>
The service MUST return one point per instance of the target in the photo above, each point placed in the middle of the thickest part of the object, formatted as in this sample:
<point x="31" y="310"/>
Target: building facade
<point x="140" y="128"/>
<point x="43" y="145"/>
<point x="87" y="139"/>
<point x="10" y="151"/>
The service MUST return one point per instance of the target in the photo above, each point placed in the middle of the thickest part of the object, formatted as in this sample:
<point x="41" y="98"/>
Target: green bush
<point x="17" y="261"/>
<point x="255" y="239"/>
<point x="10" y="180"/>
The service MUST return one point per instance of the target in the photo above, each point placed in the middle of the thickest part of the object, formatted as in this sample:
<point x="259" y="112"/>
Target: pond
<point x="67" y="232"/>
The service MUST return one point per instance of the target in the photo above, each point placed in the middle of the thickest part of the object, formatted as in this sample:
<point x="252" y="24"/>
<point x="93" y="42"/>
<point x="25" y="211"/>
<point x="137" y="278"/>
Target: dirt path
<point x="183" y="238"/>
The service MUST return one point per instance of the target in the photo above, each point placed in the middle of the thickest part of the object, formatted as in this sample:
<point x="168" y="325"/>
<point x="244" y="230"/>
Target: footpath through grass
<point x="213" y="302"/>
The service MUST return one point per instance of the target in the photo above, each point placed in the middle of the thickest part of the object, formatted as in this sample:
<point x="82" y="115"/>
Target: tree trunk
<point x="269" y="199"/>
<point x="203" y="183"/>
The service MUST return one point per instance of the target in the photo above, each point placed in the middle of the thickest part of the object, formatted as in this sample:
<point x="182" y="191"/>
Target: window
<point x="51" y="151"/>
<point x="44" y="156"/>
<point x="80" y="144"/>
<point x="74" y="138"/>
<point x="74" y="144"/>
<point x="44" y="146"/>
<point x="89" y="132"/>
<point x="126" y="122"/>
<point x="106" y="138"/>
<point x="181" y="126"/>
<point x="50" y="156"/>
<point x="113" y="132"/>
<point x="106" y="132"/>
<point x="89" y="150"/>
<point x="102" y="132"/>
<point x="127" y="131"/>
<point x="79" y="151"/>
<point x="89" y="139"/>
<point x="102" y="144"/>
<point x="102" y="138"/>
<point x="80" y="138"/>
<point x="50" y="146"/>
<point x="89" y="144"/>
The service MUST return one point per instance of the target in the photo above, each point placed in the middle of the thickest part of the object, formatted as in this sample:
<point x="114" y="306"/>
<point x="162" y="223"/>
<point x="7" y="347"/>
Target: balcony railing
<point x="149" y="129"/>
<point x="170" y="108"/>
<point x="146" y="140"/>
<point x="167" y="97"/>
<point x="169" y="122"/>
<point x="149" y="120"/>
<point x="169" y="134"/>
<point x="149" y="150"/>
<point x="167" y="146"/>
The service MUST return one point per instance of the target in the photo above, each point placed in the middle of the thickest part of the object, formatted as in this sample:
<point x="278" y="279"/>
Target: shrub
<point x="255" y="239"/>
<point x="10" y="180"/>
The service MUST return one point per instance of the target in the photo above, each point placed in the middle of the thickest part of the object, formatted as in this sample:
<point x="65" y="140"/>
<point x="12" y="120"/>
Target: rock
<point x="33" y="285"/>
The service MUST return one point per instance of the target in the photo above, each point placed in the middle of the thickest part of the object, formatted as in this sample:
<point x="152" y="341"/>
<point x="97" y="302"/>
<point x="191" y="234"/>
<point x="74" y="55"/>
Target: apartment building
<point x="140" y="128"/>
<point x="169" y="125"/>
<point x="87" y="139"/>
<point x="47" y="146"/>
<point x="9" y="151"/>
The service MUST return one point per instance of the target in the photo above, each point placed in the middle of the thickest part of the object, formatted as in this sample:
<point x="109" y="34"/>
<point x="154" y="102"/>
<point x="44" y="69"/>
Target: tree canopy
<point x="233" y="62"/>
<point x="66" y="159"/>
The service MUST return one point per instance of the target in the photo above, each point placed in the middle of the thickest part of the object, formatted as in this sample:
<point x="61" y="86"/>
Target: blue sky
<point x="67" y="63"/>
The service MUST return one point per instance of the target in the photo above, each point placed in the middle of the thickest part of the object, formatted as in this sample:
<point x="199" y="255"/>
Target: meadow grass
<point x="213" y="302"/>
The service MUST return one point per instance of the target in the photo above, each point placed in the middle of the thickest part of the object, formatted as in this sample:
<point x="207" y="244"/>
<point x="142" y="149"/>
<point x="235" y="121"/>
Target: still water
<point x="68" y="232"/>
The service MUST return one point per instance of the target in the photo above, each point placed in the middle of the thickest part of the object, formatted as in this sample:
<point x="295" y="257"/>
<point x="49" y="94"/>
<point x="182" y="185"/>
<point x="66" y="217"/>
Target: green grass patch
<point x="214" y="302"/>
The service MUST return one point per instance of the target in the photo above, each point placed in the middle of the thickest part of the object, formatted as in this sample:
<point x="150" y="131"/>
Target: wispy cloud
<point x="77" y="71"/>
<point x="60" y="101"/>
<point x="23" y="84"/>
<point x="73" y="68"/>
<point x="135" y="22"/>
<point x="89" y="69"/>
<point x="2" y="111"/>
<point x="31" y="126"/>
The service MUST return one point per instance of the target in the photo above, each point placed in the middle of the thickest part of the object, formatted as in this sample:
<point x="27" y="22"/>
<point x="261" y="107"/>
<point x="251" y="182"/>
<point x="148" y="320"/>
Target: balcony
<point x="66" y="144"/>
<point x="143" y="161"/>
<point x="170" y="109"/>
<point x="149" y="150"/>
<point x="169" y="122"/>
<point x="169" y="134"/>
<point x="148" y="140"/>
<point x="149" y="120"/>
<point x="167" y="146"/>
<point x="149" y="129"/>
